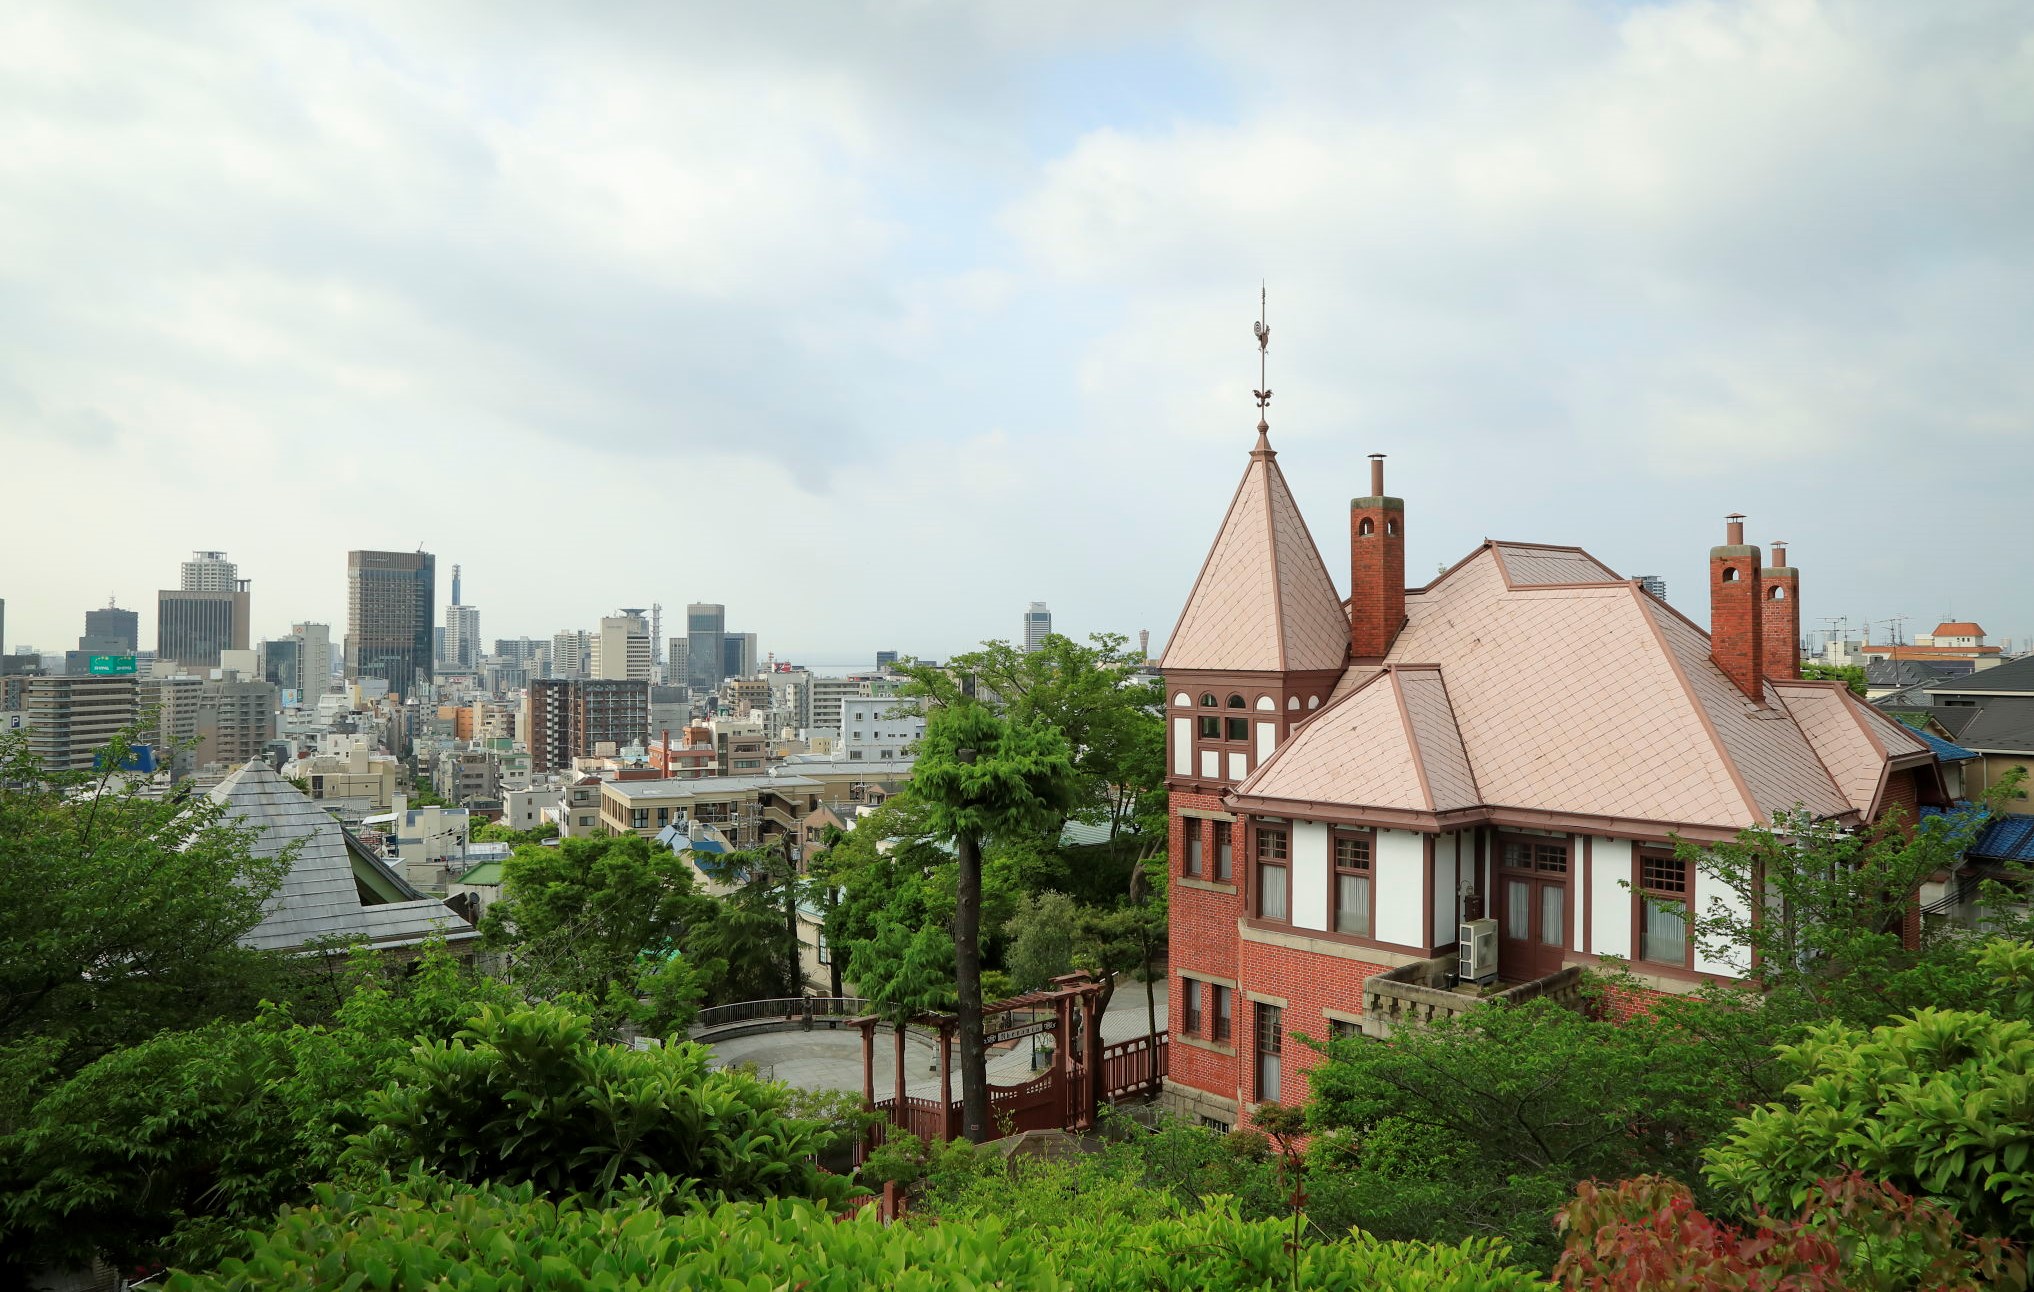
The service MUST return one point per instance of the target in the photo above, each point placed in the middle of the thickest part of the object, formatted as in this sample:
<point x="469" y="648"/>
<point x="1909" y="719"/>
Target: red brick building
<point x="1352" y="779"/>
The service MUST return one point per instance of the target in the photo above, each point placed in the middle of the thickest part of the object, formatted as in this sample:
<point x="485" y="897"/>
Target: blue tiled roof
<point x="2005" y="838"/>
<point x="1944" y="751"/>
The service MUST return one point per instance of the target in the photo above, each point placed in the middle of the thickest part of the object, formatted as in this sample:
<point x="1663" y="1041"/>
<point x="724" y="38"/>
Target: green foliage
<point x="1095" y="698"/>
<point x="171" y="1146"/>
<point x="903" y="972"/>
<point x="1042" y="934"/>
<point x="1940" y="1104"/>
<point x="1850" y="675"/>
<point x="1499" y="1112"/>
<point x="496" y="832"/>
<point x="123" y="916"/>
<point x="530" y="1095"/>
<point x="1021" y="781"/>
<point x="506" y="1240"/>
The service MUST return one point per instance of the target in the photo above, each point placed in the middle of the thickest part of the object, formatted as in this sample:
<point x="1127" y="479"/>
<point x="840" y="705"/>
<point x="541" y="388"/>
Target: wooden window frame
<point x="1194" y="864"/>
<point x="1567" y="847"/>
<point x="1265" y="838"/>
<point x="1191" y="1016"/>
<point x="1267" y="1042"/>
<point x="1224" y="871"/>
<point x="1221" y="1013"/>
<point x="1645" y="890"/>
<point x="1336" y="870"/>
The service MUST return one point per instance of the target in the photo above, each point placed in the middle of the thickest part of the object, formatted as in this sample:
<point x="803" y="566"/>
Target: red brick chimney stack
<point x="1780" y="617"/>
<point x="1735" y="606"/>
<point x="1376" y="569"/>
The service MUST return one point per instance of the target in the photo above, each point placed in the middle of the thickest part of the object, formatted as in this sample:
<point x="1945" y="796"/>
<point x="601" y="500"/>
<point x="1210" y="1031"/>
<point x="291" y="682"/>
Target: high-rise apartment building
<point x="314" y="658"/>
<point x="462" y="636"/>
<point x="391" y="609"/>
<point x="71" y="718"/>
<point x="206" y="723"/>
<point x="737" y="655"/>
<point x="567" y="718"/>
<point x="1652" y="583"/>
<point x="677" y="660"/>
<point x="621" y="649"/>
<point x="192" y="625"/>
<point x="209" y="572"/>
<point x="1037" y="625"/>
<point x="571" y="653"/>
<point x="705" y="663"/>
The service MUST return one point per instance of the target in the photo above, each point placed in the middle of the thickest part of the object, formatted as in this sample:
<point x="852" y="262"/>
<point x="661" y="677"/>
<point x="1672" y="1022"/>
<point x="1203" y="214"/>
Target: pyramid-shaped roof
<point x="320" y="897"/>
<point x="1264" y="602"/>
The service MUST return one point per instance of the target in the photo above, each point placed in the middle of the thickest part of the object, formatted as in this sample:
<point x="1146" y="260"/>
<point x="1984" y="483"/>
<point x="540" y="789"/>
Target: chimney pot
<point x="1734" y="528"/>
<point x="1377" y="475"/>
<point x="1376" y="569"/>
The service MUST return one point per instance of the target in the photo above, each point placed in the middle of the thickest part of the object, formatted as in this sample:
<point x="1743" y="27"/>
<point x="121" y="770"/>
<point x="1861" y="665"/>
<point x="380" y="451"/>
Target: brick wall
<point x="1780" y="623"/>
<point x="1376" y="575"/>
<point x="1309" y="983"/>
<point x="1735" y="631"/>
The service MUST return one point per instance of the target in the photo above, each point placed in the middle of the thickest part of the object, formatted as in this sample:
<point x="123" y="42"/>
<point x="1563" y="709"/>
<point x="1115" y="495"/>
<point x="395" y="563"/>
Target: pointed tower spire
<point x="1263" y="391"/>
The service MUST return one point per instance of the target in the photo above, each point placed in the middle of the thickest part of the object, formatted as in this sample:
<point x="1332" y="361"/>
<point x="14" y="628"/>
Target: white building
<point x="621" y="649"/>
<point x="462" y="636"/>
<point x="881" y="729"/>
<point x="1037" y="625"/>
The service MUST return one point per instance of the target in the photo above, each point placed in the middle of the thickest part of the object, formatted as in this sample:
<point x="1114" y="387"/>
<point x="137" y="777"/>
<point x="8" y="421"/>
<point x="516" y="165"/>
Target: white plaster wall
<point x="1239" y="766"/>
<point x="1610" y="914"/>
<point x="1182" y="746"/>
<point x="1211" y="765"/>
<point x="1445" y="870"/>
<point x="1400" y="891"/>
<point x="1267" y="739"/>
<point x="1310" y="874"/>
<point x="1737" y="960"/>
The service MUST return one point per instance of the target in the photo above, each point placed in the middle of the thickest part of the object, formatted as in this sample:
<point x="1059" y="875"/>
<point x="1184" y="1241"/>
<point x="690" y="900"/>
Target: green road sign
<point x="104" y="664"/>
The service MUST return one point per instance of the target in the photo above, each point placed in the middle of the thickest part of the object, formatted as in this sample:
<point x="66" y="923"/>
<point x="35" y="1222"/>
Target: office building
<point x="71" y="718"/>
<point x="111" y="631"/>
<point x="621" y="649"/>
<point x="210" y="572"/>
<point x="193" y="625"/>
<point x="212" y="723"/>
<point x="1037" y="625"/>
<point x="571" y="653"/>
<point x="705" y="663"/>
<point x="1652" y="583"/>
<point x="737" y="655"/>
<point x="886" y="660"/>
<point x="879" y="729"/>
<point x="676" y="663"/>
<point x="282" y="664"/>
<point x="314" y="655"/>
<point x="391" y="609"/>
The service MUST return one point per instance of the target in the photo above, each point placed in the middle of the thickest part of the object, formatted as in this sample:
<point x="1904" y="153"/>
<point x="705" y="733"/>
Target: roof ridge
<point x="1645" y="606"/>
<point x="1412" y="739"/>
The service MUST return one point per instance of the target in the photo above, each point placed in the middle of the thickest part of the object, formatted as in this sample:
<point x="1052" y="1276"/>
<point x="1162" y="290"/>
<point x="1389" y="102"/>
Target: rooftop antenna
<point x="1262" y="329"/>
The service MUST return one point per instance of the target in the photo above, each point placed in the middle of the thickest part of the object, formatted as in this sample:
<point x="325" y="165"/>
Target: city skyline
<point x="982" y="290"/>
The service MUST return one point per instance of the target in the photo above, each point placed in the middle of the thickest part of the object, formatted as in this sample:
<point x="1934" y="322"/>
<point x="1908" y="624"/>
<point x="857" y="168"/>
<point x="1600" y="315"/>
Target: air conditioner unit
<point x="1476" y="946"/>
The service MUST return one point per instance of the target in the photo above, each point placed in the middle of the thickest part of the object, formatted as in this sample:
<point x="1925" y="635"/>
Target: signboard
<point x="102" y="665"/>
<point x="1038" y="1028"/>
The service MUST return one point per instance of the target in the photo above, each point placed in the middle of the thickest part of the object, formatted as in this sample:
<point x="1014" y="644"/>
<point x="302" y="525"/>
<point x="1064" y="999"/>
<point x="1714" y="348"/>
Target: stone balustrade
<point x="1416" y="994"/>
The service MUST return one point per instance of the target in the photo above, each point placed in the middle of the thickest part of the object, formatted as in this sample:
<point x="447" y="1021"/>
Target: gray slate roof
<point x="2013" y="676"/>
<point x="319" y="898"/>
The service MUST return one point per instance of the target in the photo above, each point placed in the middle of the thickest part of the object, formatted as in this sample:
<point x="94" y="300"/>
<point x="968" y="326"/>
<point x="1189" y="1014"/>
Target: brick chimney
<point x="1780" y="617"/>
<point x="1735" y="630"/>
<point x="1376" y="569"/>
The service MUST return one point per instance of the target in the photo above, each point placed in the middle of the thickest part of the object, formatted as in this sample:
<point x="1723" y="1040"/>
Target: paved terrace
<point x="830" y="1059"/>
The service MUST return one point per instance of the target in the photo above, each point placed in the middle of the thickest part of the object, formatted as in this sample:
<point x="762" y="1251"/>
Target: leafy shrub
<point x="1646" y="1234"/>
<point x="1940" y="1105"/>
<point x="529" y="1095"/>
<point x="508" y="1239"/>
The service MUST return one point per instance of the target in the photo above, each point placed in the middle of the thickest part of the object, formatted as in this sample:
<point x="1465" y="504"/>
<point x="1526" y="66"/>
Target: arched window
<point x="1391" y="527"/>
<point x="1730" y="575"/>
<point x="1777" y="594"/>
<point x="1182" y="701"/>
<point x="1292" y="702"/>
<point x="1207" y="699"/>
<point x="1236" y="702"/>
<point x="1266" y="702"/>
<point x="1365" y="528"/>
<point x="1313" y="702"/>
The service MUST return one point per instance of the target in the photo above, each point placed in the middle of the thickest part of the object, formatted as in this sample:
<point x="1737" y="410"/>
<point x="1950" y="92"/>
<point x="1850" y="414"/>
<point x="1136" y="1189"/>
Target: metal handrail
<point x="789" y="1008"/>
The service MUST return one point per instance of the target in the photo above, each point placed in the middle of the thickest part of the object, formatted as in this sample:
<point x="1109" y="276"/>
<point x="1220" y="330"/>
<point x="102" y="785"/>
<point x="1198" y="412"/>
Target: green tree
<point x="1850" y="675"/>
<point x="1095" y="696"/>
<point x="168" y="1148"/>
<point x="981" y="776"/>
<point x="1042" y="935"/>
<point x="123" y="916"/>
<point x="1505" y="1108"/>
<point x="1131" y="937"/>
<point x="496" y="832"/>
<point x="1939" y="1104"/>
<point x="529" y="1095"/>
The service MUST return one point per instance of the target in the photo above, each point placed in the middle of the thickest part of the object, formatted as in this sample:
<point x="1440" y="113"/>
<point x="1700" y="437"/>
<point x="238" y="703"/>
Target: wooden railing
<point x="1135" y="1066"/>
<point x="1415" y="995"/>
<point x="782" y="1009"/>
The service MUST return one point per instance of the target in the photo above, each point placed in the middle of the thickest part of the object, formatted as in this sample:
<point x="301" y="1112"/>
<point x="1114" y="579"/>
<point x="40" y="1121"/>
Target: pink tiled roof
<point x="1264" y="601"/>
<point x="1591" y="700"/>
<point x="1852" y="739"/>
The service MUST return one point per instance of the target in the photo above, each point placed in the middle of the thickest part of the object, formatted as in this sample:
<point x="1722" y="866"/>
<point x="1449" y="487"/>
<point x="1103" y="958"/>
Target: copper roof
<point x="1264" y="602"/>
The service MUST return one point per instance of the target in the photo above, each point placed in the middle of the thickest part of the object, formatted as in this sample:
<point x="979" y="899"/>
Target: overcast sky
<point x="877" y="321"/>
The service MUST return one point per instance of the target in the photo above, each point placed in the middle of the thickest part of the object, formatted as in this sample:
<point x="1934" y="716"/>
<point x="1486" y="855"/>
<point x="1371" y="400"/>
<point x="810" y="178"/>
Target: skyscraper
<point x="209" y="572"/>
<point x="705" y="625"/>
<point x="70" y="718"/>
<point x="314" y="658"/>
<point x="111" y="631"/>
<point x="737" y="655"/>
<point x="193" y="625"/>
<point x="391" y="608"/>
<point x="462" y="636"/>
<point x="1037" y="625"/>
<point x="571" y="653"/>
<point x="621" y="649"/>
